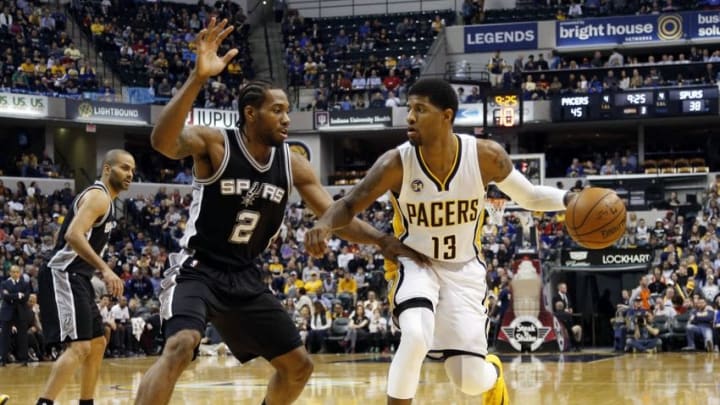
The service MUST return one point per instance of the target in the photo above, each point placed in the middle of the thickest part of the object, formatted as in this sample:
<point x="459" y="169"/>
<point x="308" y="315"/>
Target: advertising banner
<point x="96" y="111"/>
<point x="371" y="117"/>
<point x="606" y="258"/>
<point x="619" y="30"/>
<point x="501" y="37"/>
<point x="691" y="25"/>
<point x="23" y="105"/>
<point x="213" y="118"/>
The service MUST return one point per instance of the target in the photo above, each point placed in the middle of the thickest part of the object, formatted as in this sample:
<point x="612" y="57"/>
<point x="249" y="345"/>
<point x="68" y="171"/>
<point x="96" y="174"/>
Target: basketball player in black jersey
<point x="66" y="296"/>
<point x="242" y="179"/>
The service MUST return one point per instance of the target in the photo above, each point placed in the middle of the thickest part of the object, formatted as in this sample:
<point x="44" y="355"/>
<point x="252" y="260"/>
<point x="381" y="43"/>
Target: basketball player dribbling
<point x="438" y="181"/>
<point x="242" y="179"/>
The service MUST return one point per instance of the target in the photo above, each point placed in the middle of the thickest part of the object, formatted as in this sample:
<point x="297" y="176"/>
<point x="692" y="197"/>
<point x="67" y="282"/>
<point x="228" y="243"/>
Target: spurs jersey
<point x="237" y="212"/>
<point x="441" y="217"/>
<point x="64" y="257"/>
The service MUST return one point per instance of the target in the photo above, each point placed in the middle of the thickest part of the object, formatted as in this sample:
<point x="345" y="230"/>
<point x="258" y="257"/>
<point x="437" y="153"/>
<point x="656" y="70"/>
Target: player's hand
<point x="112" y="281"/>
<point x="208" y="62"/>
<point x="569" y="196"/>
<point x="315" y="240"/>
<point x="392" y="248"/>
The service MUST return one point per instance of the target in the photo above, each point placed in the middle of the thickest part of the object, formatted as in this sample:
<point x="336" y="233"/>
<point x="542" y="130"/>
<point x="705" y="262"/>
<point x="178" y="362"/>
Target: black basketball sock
<point x="263" y="402"/>
<point x="87" y="402"/>
<point x="43" y="401"/>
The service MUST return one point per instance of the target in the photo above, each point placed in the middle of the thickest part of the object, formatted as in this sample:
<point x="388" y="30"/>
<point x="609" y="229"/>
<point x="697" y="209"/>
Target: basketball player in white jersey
<point x="438" y="181"/>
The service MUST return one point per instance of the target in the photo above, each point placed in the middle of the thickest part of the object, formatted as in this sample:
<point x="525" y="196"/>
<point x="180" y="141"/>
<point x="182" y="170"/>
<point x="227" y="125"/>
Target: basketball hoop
<point x="496" y="209"/>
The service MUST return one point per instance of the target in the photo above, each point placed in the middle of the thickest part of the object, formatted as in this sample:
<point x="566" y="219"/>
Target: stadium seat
<point x="698" y="165"/>
<point x="650" y="166"/>
<point x="682" y="165"/>
<point x="666" y="166"/>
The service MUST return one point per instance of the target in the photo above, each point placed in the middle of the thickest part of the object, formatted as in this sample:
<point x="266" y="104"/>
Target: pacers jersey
<point x="441" y="217"/>
<point x="236" y="213"/>
<point x="64" y="257"/>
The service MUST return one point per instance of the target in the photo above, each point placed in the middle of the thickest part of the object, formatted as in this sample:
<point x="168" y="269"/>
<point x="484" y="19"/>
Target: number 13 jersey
<point x="441" y="217"/>
<point x="237" y="212"/>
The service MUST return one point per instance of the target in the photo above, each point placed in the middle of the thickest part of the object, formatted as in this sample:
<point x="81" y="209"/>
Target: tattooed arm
<point x="496" y="166"/>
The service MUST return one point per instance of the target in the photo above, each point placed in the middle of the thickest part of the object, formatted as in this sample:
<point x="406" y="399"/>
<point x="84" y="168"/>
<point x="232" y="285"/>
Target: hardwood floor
<point x="587" y="378"/>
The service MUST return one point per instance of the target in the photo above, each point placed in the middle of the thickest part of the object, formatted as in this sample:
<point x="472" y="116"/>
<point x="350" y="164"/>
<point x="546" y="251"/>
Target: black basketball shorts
<point x="251" y="321"/>
<point x="67" y="306"/>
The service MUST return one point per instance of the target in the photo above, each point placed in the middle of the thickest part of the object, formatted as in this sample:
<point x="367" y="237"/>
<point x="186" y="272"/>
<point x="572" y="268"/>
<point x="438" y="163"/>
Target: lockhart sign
<point x="606" y="258"/>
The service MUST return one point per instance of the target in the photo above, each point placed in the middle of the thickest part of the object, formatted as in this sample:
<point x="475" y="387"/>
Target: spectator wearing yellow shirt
<point x="292" y="285"/>
<point x="235" y="72"/>
<point x="97" y="28"/>
<point x="275" y="266"/>
<point x="314" y="285"/>
<point x="28" y="67"/>
<point x="348" y="285"/>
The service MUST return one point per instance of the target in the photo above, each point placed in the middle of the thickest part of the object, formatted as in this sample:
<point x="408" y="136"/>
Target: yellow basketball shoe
<point x="498" y="394"/>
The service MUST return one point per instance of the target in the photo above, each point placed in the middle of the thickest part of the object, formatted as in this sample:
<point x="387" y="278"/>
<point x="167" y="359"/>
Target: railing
<point x="330" y="8"/>
<point x="87" y="48"/>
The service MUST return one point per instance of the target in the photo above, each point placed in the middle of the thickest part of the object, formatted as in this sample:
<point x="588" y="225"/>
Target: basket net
<point x="496" y="209"/>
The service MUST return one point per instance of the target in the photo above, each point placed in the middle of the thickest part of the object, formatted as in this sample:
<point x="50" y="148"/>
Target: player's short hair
<point x="113" y="155"/>
<point x="440" y="93"/>
<point x="252" y="94"/>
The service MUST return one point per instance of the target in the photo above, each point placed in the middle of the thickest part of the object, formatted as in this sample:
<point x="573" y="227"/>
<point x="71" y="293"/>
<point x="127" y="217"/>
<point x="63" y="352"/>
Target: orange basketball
<point x="595" y="219"/>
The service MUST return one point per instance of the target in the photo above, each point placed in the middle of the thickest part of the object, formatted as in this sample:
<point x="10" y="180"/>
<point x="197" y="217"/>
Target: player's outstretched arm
<point x="342" y="216"/>
<point x="496" y="166"/>
<point x="168" y="136"/>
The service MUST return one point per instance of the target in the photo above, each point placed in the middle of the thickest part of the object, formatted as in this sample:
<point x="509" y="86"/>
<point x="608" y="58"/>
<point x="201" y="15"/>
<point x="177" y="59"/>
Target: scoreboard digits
<point x="650" y="103"/>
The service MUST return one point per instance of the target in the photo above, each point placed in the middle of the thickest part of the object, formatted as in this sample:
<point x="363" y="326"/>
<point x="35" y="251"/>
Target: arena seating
<point x="148" y="43"/>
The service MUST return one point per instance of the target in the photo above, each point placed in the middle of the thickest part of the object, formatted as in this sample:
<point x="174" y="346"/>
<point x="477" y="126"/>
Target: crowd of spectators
<point x="473" y="11"/>
<point x="27" y="164"/>
<point x="338" y="301"/>
<point x="38" y="55"/>
<point x="358" y="62"/>
<point x="600" y="164"/>
<point x="541" y="78"/>
<point x="150" y="45"/>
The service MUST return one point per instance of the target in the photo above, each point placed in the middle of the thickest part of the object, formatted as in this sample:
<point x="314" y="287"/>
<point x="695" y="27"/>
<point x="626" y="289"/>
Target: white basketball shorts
<point x="457" y="293"/>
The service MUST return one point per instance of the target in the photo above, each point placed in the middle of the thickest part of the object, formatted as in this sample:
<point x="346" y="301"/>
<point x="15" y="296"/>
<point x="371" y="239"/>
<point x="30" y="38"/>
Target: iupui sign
<point x="606" y="258"/>
<point x="213" y="118"/>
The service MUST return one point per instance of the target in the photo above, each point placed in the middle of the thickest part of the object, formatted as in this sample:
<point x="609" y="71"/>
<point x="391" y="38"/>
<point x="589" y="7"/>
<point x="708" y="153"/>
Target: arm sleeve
<point x="530" y="196"/>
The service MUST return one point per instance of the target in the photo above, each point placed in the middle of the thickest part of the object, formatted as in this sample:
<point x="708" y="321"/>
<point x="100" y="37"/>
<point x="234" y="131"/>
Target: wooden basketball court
<point x="586" y="378"/>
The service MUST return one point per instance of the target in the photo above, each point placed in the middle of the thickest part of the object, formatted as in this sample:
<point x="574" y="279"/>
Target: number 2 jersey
<point x="237" y="212"/>
<point x="441" y="217"/>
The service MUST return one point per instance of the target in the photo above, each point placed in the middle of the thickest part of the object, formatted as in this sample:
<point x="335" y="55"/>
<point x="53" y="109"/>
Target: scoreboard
<point x="636" y="104"/>
<point x="503" y="109"/>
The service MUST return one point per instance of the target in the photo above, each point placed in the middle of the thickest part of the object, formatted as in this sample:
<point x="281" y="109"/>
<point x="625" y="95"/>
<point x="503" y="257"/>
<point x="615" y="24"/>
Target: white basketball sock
<point x="417" y="326"/>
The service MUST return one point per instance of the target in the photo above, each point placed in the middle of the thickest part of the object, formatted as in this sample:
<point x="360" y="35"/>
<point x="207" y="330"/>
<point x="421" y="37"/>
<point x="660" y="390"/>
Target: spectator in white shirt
<point x="378" y="329"/>
<point x="319" y="326"/>
<point x="575" y="10"/>
<point x="359" y="82"/>
<point x="344" y="258"/>
<point x="392" y="100"/>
